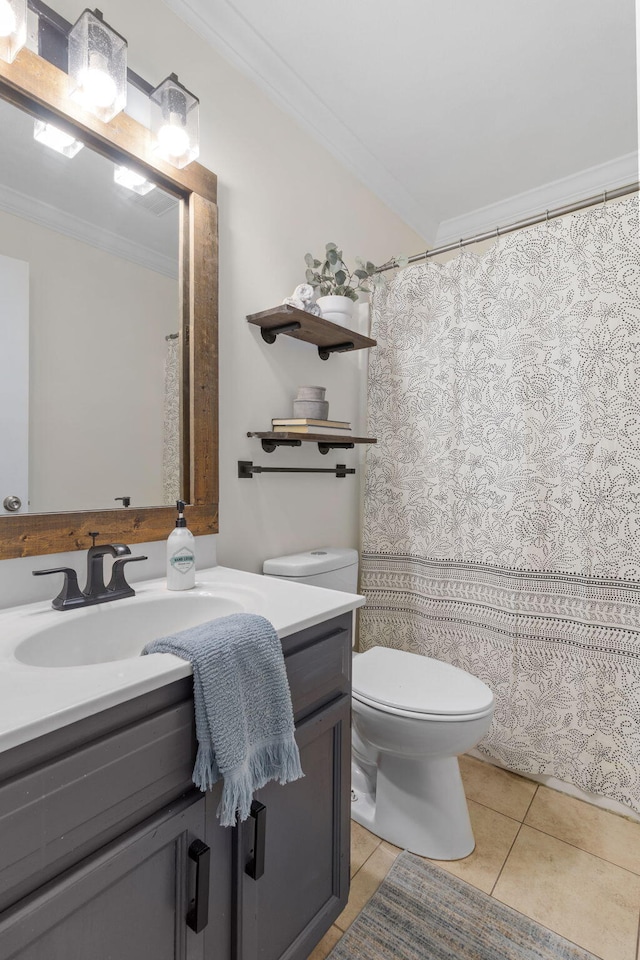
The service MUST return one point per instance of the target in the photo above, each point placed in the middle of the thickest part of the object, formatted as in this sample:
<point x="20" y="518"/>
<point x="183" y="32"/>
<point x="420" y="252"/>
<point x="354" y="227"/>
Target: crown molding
<point x="556" y="193"/>
<point x="37" y="211"/>
<point x="228" y="32"/>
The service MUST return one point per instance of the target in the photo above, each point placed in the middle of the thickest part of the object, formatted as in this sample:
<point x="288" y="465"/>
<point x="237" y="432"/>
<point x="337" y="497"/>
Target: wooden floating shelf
<point x="327" y="336"/>
<point x="326" y="442"/>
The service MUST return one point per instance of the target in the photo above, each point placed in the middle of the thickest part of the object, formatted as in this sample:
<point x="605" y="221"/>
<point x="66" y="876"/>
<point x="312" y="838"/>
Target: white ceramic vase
<point x="338" y="310"/>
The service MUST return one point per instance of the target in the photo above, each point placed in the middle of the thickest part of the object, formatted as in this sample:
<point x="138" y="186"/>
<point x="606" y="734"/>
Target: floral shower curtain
<point x="502" y="508"/>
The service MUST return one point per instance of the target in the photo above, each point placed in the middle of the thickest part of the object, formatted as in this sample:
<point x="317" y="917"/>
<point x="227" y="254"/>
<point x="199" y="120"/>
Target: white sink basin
<point x="118" y="630"/>
<point x="96" y="649"/>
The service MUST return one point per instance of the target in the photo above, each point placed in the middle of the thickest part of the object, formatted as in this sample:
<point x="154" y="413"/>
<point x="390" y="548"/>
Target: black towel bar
<point x="246" y="470"/>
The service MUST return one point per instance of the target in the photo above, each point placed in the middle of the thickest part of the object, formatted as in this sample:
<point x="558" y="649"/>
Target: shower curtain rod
<point x="520" y="224"/>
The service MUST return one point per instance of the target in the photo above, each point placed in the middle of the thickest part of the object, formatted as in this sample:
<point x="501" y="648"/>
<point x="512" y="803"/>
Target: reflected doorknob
<point x="12" y="503"/>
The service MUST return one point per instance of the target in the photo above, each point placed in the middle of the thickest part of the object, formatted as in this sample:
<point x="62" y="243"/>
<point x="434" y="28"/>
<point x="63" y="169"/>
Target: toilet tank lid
<point x="319" y="560"/>
<point x="410" y="681"/>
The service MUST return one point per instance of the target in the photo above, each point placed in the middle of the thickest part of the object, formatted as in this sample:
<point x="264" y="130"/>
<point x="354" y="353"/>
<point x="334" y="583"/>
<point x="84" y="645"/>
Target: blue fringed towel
<point x="244" y="718"/>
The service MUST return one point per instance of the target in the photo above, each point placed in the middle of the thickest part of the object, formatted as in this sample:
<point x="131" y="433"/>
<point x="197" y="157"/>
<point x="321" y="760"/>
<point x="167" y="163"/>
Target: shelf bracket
<point x="325" y="352"/>
<point x="270" y="445"/>
<point x="331" y="445"/>
<point x="271" y="334"/>
<point x="246" y="470"/>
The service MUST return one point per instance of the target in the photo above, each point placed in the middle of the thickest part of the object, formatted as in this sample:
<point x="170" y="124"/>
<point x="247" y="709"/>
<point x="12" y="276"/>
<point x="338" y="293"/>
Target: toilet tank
<point x="333" y="567"/>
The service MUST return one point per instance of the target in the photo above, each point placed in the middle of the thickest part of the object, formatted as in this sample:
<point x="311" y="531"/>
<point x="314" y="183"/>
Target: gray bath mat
<point x="421" y="912"/>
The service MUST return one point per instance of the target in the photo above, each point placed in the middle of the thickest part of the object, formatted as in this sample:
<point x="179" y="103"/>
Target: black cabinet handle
<point x="255" y="867"/>
<point x="198" y="915"/>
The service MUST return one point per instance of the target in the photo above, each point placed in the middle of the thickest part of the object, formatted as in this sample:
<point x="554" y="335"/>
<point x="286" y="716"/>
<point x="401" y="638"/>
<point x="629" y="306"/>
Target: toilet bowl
<point x="412" y="717"/>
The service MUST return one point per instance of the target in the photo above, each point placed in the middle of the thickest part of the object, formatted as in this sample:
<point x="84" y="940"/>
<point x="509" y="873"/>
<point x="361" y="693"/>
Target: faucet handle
<point x="70" y="596"/>
<point x="117" y="584"/>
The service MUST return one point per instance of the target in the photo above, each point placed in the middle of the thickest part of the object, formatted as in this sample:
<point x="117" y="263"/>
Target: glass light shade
<point x="175" y="122"/>
<point x="132" y="181"/>
<point x="13" y="28"/>
<point x="57" y="139"/>
<point x="97" y="66"/>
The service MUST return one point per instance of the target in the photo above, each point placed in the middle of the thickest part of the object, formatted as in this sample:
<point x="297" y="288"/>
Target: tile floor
<point x="572" y="867"/>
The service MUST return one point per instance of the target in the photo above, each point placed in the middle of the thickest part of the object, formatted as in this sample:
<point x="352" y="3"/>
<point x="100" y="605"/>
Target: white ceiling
<point x="455" y="113"/>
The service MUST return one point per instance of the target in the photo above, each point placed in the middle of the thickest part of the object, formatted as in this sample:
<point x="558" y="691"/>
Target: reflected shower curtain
<point x="502" y="508"/>
<point x="171" y="428"/>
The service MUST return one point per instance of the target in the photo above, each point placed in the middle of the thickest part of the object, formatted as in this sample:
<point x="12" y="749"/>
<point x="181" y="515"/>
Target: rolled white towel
<point x="304" y="292"/>
<point x="294" y="302"/>
<point x="313" y="308"/>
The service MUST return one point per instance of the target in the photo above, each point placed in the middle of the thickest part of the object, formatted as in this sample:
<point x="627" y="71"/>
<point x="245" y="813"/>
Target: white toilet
<point x="412" y="716"/>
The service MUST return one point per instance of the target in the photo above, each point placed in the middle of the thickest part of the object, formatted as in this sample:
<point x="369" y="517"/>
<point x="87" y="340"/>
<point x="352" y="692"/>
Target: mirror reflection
<point x="89" y="316"/>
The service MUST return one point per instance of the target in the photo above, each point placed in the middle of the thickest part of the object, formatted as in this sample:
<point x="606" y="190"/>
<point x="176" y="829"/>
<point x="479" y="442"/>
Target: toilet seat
<point x="410" y="685"/>
<point x="422" y="715"/>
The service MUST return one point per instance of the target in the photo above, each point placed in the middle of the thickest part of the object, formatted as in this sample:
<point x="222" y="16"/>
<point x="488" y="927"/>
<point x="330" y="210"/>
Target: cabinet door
<point x="304" y="826"/>
<point x="130" y="901"/>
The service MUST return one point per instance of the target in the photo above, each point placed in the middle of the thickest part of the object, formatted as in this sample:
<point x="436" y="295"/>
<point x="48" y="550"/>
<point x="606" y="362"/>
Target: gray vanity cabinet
<point x="101" y="828"/>
<point x="304" y="877"/>
<point x="125" y="903"/>
<point x="299" y="837"/>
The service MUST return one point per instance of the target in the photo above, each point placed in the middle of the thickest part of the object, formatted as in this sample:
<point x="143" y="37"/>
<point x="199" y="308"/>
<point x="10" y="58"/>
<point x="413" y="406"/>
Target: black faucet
<point x="95" y="566"/>
<point x="95" y="591"/>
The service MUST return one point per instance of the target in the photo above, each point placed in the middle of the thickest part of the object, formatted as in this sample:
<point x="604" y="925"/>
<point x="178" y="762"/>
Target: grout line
<point x="504" y="862"/>
<point x="521" y="824"/>
<point x="534" y="795"/>
<point x="500" y="813"/>
<point x="524" y="914"/>
<point x="627" y="814"/>
<point x="575" y="846"/>
<point x="341" y="932"/>
<point x="328" y="952"/>
<point x="554" y="836"/>
<point x="366" y="860"/>
<point x="380" y="882"/>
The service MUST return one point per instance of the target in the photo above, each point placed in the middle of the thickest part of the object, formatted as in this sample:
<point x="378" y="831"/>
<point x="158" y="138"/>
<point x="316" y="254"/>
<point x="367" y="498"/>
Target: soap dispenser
<point x="181" y="556"/>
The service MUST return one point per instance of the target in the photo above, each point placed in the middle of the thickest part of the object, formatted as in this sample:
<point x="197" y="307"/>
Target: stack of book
<point x="309" y="425"/>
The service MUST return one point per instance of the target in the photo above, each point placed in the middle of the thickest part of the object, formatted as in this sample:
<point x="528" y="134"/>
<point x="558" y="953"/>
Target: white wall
<point x="14" y="379"/>
<point x="280" y="195"/>
<point x="96" y="370"/>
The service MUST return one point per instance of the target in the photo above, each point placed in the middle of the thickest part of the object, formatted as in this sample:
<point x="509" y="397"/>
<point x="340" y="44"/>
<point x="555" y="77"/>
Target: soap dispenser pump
<point x="181" y="556"/>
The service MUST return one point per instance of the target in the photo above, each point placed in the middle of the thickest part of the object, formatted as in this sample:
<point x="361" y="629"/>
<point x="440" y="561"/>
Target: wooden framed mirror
<point x="39" y="88"/>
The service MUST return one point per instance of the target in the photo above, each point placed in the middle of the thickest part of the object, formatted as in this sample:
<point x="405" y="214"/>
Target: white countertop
<point x="36" y="700"/>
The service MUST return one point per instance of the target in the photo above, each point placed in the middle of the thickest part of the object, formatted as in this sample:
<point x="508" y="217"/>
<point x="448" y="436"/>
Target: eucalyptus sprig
<point x="332" y="276"/>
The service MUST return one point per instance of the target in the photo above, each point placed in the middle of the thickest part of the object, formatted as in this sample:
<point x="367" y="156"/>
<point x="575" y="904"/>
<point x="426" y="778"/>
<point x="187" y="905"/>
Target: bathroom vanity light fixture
<point x="97" y="66"/>
<point x="174" y="122"/>
<point x="57" y="139"/>
<point x="132" y="180"/>
<point x="13" y="28"/>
